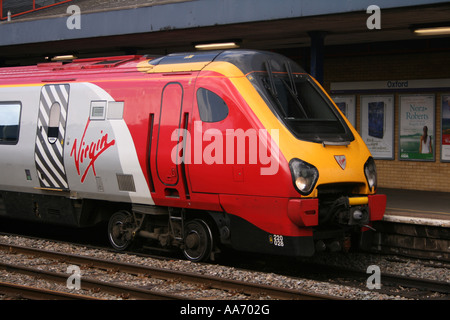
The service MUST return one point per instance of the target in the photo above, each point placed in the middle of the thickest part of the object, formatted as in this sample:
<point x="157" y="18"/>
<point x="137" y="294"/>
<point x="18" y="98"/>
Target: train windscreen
<point x="302" y="107"/>
<point x="292" y="95"/>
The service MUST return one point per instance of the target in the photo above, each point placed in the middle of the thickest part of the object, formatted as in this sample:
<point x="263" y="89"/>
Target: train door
<point x="51" y="127"/>
<point x="169" y="170"/>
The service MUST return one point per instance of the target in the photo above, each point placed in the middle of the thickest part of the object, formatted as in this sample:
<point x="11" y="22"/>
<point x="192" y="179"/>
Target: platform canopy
<point x="161" y="26"/>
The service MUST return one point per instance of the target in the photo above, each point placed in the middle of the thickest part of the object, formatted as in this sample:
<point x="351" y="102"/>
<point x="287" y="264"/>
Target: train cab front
<point x="333" y="174"/>
<point x="339" y="212"/>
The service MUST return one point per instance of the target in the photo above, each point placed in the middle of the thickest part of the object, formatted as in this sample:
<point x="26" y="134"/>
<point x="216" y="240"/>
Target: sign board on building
<point x="390" y="85"/>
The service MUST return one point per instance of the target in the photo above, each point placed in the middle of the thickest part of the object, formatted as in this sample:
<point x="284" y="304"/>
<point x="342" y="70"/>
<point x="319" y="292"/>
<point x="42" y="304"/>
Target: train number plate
<point x="276" y="240"/>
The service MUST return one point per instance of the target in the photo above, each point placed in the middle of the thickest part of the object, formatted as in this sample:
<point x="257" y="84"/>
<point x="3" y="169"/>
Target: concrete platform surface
<point x="417" y="207"/>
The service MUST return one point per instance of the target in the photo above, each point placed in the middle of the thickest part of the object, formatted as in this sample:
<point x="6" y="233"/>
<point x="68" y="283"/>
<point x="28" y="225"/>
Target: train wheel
<point x="198" y="241"/>
<point x="120" y="229"/>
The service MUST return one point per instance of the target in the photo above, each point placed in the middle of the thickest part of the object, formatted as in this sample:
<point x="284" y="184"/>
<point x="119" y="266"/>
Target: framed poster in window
<point x="377" y="125"/>
<point x="347" y="104"/>
<point x="445" y="128"/>
<point x="417" y="131"/>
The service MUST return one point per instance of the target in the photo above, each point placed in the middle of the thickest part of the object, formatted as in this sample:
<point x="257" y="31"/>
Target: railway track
<point x="203" y="281"/>
<point x="127" y="292"/>
<point x="391" y="284"/>
<point x="32" y="293"/>
<point x="408" y="287"/>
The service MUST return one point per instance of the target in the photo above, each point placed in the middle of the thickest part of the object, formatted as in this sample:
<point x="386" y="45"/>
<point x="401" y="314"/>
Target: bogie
<point x="198" y="240"/>
<point x="193" y="236"/>
<point x="121" y="227"/>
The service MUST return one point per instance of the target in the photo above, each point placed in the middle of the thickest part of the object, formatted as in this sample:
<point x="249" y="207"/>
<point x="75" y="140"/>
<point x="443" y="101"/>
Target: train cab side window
<point x="211" y="107"/>
<point x="9" y="122"/>
<point x="53" y="122"/>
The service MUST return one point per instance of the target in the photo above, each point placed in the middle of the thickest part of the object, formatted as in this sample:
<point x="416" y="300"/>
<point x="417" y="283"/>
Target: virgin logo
<point x="342" y="161"/>
<point x="89" y="152"/>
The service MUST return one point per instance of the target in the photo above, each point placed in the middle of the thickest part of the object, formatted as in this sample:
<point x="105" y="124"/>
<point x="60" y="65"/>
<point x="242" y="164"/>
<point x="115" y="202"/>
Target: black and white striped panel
<point x="49" y="154"/>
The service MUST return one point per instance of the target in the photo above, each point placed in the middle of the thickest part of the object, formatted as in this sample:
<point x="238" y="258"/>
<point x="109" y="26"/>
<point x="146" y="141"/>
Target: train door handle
<point x="173" y="173"/>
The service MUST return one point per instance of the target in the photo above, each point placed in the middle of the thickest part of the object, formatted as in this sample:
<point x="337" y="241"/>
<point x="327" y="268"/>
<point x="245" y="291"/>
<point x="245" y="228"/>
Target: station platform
<point x="416" y="224"/>
<point x="417" y="207"/>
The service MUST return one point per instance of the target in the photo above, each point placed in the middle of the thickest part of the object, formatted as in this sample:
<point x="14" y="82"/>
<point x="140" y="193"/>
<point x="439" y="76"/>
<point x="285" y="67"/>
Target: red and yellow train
<point x="196" y="151"/>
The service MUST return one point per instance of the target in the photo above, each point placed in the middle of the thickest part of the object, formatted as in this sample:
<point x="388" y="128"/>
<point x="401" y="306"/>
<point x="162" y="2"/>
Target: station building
<point x="386" y="63"/>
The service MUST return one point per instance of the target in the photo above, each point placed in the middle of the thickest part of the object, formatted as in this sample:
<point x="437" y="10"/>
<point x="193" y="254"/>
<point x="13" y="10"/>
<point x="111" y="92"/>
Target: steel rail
<point x="391" y="280"/>
<point x="33" y="293"/>
<point x="208" y="281"/>
<point x="87" y="283"/>
<point x="423" y="284"/>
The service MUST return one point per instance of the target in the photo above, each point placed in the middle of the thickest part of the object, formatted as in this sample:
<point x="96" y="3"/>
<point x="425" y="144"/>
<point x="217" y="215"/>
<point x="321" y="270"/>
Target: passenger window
<point x="53" y="122"/>
<point x="9" y="122"/>
<point x="211" y="107"/>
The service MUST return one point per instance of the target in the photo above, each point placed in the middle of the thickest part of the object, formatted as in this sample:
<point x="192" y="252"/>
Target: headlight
<point x="304" y="176"/>
<point x="370" y="171"/>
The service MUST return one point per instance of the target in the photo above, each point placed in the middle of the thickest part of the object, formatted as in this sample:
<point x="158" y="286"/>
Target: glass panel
<point x="302" y="107"/>
<point x="45" y="3"/>
<point x="20" y="6"/>
<point x="16" y="6"/>
<point x="53" y="123"/>
<point x="211" y="107"/>
<point x="9" y="122"/>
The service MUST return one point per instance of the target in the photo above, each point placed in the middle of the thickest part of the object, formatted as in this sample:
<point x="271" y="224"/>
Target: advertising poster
<point x="445" y="147"/>
<point x="347" y="104"/>
<point x="377" y="125"/>
<point x="417" y="132"/>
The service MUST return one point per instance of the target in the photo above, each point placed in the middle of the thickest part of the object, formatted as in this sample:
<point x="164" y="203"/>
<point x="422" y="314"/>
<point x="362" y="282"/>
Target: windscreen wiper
<point x="272" y="89"/>
<point x="291" y="78"/>
<point x="295" y="97"/>
<point x="271" y="80"/>
<point x="293" y="88"/>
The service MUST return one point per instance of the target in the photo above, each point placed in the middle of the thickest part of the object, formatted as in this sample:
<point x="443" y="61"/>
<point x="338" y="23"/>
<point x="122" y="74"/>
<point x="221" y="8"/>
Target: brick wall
<point x="418" y="175"/>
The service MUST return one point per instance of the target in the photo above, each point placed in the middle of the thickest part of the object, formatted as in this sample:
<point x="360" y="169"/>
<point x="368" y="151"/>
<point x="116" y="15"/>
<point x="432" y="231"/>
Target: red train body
<point x="196" y="151"/>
